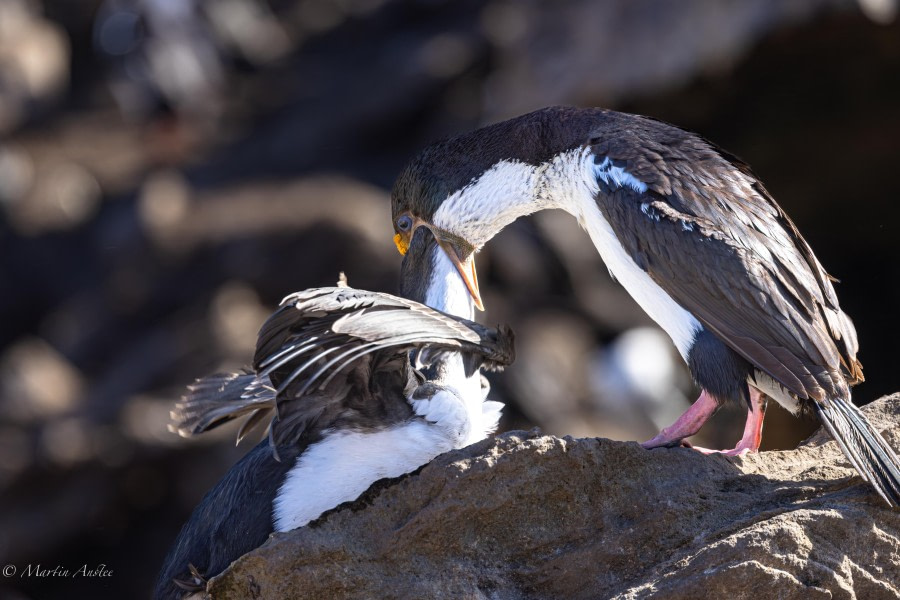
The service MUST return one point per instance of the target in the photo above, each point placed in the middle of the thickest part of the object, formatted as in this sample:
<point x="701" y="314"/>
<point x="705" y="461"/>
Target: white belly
<point x="668" y="314"/>
<point x="344" y="464"/>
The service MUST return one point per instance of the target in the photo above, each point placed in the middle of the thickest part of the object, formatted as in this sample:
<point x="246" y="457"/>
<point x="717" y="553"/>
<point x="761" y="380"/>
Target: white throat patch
<point x="446" y="291"/>
<point x="498" y="197"/>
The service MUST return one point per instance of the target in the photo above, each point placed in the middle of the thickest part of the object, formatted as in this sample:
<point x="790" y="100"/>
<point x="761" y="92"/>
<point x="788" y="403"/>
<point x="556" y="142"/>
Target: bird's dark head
<point x="429" y="277"/>
<point x="468" y="188"/>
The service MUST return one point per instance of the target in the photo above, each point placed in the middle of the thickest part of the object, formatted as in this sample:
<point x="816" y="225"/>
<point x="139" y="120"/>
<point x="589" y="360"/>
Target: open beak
<point x="461" y="255"/>
<point x="465" y="264"/>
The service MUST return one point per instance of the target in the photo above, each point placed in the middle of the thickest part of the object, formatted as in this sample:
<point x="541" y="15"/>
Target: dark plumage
<point x="336" y="358"/>
<point x="722" y="248"/>
<point x="223" y="526"/>
<point x="690" y="232"/>
<point x="329" y="360"/>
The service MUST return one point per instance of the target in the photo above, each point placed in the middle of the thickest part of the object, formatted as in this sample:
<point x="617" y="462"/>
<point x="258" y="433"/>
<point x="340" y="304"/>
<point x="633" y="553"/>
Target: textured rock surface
<point x="531" y="516"/>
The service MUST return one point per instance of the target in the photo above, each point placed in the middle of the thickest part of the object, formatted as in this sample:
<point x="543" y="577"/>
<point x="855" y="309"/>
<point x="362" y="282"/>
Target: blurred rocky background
<point x="170" y="169"/>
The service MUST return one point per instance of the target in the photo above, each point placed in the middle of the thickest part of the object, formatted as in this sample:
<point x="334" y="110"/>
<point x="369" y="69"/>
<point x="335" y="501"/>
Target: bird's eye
<point x="404" y="223"/>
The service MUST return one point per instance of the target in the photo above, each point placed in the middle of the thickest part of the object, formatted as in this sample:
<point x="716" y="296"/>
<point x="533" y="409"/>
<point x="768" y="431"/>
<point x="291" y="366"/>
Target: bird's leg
<point x="687" y="424"/>
<point x="752" y="428"/>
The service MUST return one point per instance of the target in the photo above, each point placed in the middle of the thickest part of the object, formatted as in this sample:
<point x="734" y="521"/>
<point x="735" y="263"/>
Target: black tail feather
<point x="219" y="398"/>
<point x="869" y="453"/>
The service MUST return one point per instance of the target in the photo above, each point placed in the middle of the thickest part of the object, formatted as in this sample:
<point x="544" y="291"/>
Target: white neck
<point x="563" y="182"/>
<point x="581" y="193"/>
<point x="502" y="194"/>
<point x="447" y="292"/>
<point x="569" y="182"/>
<point x="513" y="189"/>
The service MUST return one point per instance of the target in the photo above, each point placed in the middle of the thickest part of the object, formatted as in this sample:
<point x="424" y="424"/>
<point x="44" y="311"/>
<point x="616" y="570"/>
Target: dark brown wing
<point x="711" y="236"/>
<point x="346" y="324"/>
<point x="336" y="357"/>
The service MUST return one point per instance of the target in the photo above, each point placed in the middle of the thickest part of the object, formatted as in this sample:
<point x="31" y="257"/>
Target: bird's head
<point x="419" y="199"/>
<point x="466" y="189"/>
<point x="429" y="277"/>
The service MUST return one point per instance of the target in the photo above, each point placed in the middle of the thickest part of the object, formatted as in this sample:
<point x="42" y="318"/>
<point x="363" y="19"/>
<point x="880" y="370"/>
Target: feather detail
<point x="331" y="356"/>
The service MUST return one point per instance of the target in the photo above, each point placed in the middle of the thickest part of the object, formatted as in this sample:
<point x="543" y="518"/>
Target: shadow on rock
<point x="531" y="516"/>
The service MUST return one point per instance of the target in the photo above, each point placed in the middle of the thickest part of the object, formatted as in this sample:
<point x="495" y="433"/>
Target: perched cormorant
<point x="690" y="233"/>
<point x="355" y="386"/>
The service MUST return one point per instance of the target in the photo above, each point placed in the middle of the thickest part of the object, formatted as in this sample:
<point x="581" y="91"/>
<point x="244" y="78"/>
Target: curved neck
<point x="509" y="190"/>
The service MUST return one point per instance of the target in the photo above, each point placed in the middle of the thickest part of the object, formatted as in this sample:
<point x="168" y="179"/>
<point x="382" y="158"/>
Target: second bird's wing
<point x="344" y="324"/>
<point x="334" y="353"/>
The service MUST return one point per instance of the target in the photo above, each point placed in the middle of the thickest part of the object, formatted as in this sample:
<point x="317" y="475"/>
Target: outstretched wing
<point x="707" y="231"/>
<point x="331" y="355"/>
<point x="345" y="324"/>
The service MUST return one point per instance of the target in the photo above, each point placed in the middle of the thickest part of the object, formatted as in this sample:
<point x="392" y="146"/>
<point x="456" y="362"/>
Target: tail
<point x="864" y="447"/>
<point x="220" y="398"/>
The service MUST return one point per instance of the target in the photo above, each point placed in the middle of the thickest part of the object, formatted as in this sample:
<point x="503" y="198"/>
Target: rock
<point x="530" y="516"/>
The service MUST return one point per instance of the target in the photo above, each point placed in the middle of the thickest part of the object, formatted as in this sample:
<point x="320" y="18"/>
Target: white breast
<point x="343" y="465"/>
<point x="668" y="314"/>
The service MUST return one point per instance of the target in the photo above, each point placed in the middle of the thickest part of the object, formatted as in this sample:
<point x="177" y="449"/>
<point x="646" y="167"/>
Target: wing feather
<point x="333" y="354"/>
<point x="726" y="252"/>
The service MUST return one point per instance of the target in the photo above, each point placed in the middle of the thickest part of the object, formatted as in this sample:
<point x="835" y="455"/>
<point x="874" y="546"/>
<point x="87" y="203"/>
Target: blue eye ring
<point x="405" y="223"/>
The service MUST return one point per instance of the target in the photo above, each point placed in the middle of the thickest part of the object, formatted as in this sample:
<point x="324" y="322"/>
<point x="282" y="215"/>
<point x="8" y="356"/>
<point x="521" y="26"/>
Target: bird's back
<point x="727" y="252"/>
<point x="233" y="518"/>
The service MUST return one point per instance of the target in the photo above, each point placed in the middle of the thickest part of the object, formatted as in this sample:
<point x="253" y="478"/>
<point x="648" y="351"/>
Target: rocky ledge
<point x="531" y="516"/>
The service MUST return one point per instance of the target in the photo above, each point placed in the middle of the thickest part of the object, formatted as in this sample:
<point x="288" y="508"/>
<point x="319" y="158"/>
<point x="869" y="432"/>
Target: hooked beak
<point x="460" y="253"/>
<point x="464" y="261"/>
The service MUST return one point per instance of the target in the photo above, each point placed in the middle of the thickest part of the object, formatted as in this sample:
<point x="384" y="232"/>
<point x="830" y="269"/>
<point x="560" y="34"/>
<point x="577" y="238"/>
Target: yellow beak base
<point x="402" y="243"/>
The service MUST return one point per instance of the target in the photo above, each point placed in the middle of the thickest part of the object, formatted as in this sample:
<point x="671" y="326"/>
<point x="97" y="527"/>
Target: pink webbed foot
<point x="700" y="411"/>
<point x="687" y="424"/>
<point x="736" y="451"/>
<point x="752" y="437"/>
